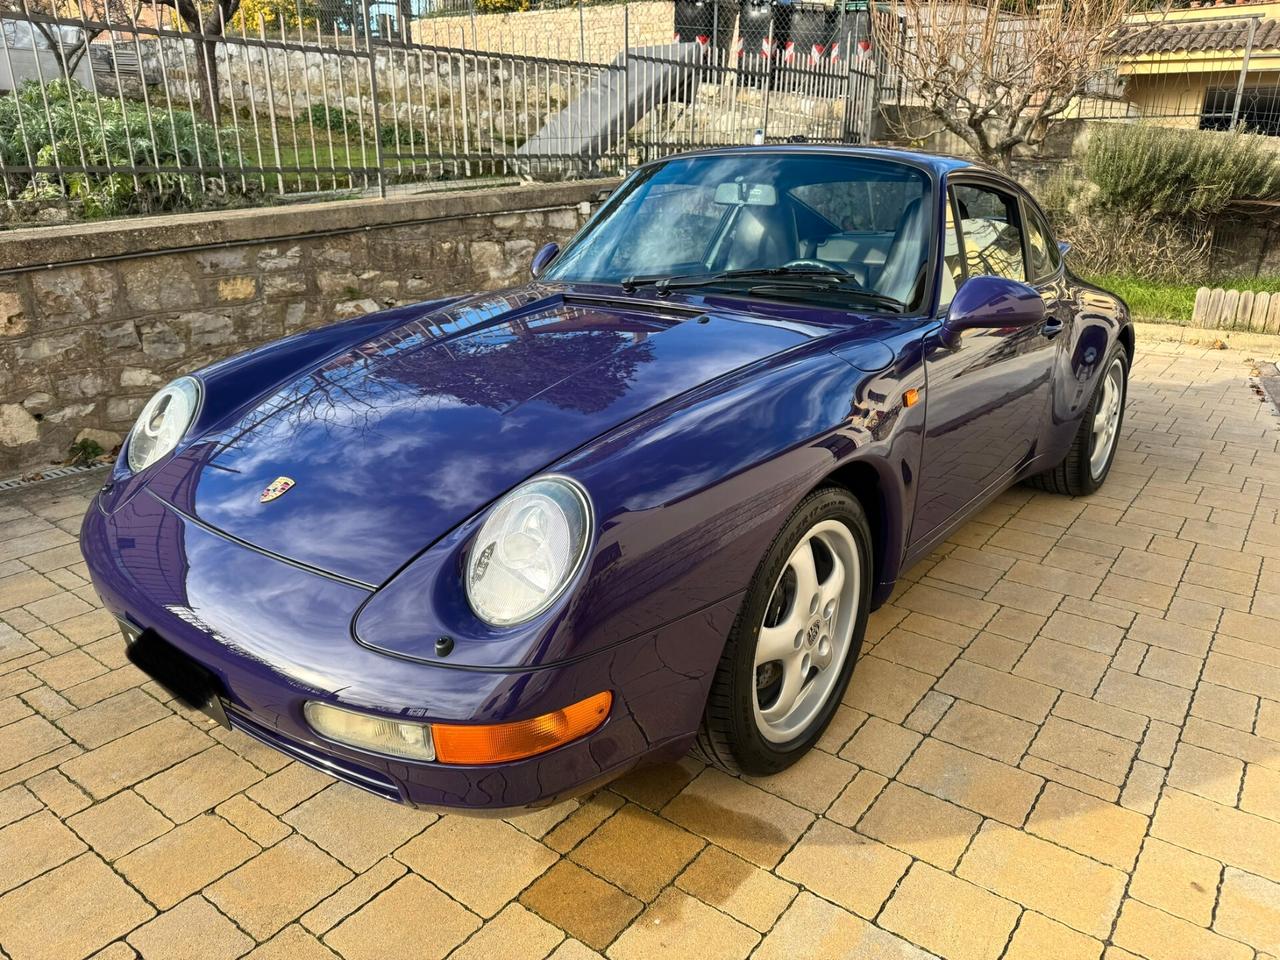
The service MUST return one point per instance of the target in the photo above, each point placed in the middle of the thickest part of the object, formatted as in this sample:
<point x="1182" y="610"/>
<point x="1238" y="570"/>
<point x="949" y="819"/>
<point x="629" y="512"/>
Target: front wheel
<point x="793" y="648"/>
<point x="1093" y="449"/>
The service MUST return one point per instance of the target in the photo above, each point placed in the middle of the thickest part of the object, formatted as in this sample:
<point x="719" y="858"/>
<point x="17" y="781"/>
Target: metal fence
<point x="122" y="113"/>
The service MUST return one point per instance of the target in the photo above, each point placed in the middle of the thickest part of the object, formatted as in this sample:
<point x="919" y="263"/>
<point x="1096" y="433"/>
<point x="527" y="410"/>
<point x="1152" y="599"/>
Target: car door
<point x="988" y="394"/>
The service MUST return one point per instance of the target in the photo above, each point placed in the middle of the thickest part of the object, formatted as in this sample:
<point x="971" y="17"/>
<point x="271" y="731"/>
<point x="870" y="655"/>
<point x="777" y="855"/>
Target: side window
<point x="1041" y="250"/>
<point x="991" y="229"/>
<point x="952" y="259"/>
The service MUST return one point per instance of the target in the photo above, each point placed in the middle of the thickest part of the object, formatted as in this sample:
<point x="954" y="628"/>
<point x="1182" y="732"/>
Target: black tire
<point x="1074" y="477"/>
<point x="729" y="737"/>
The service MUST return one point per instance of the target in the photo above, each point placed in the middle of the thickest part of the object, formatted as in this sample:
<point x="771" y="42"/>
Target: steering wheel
<point x="813" y="264"/>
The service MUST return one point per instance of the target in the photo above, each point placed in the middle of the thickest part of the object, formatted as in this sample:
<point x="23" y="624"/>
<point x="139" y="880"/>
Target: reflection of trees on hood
<point x="583" y="368"/>
<point x="500" y="374"/>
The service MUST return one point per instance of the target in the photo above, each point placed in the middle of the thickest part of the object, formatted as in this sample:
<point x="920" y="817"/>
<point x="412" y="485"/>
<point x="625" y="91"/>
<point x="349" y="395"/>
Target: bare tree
<point x="997" y="73"/>
<point x="208" y="20"/>
<point x="80" y="22"/>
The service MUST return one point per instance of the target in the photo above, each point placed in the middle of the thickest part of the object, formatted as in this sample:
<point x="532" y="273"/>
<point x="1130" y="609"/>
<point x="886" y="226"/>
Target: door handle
<point x="1052" y="327"/>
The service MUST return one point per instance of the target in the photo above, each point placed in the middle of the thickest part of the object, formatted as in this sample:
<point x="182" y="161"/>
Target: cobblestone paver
<point x="1062" y="741"/>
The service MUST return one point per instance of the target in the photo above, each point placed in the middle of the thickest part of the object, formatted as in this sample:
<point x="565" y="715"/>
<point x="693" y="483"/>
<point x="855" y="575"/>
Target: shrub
<point x="81" y="129"/>
<point x="1153" y="247"/>
<point x="503" y="6"/>
<point x="325" y="117"/>
<point x="1164" y="170"/>
<point x="271" y="13"/>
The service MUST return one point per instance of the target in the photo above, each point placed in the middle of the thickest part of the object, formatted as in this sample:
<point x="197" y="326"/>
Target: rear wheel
<point x="789" y="657"/>
<point x="1085" y="467"/>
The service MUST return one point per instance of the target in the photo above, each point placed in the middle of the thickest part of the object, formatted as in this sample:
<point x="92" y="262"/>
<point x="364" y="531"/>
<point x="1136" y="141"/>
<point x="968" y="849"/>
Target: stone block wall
<point x="95" y="317"/>
<point x="558" y="33"/>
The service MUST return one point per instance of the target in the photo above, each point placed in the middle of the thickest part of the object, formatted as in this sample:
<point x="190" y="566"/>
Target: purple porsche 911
<point x="495" y="550"/>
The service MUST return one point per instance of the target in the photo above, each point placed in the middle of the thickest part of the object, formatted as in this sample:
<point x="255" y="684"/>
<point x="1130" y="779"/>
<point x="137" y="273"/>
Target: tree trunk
<point x="207" y="64"/>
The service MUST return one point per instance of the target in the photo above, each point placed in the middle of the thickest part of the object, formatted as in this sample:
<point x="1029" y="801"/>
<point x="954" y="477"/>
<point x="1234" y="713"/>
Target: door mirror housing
<point x="1063" y="247"/>
<point x="542" y="259"/>
<point x="987" y="303"/>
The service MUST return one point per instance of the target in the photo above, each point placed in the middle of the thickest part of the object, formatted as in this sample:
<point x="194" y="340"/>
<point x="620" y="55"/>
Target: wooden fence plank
<point x="1258" y="319"/>
<point x="1200" y="312"/>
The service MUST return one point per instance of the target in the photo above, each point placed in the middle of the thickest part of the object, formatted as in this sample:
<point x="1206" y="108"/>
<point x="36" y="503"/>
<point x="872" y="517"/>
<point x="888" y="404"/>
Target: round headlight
<point x="528" y="550"/>
<point x="163" y="422"/>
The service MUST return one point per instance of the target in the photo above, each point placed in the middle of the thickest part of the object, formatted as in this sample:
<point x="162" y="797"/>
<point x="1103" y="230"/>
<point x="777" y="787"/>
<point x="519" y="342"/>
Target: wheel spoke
<point x="831" y="589"/>
<point x="806" y="572"/>
<point x="777" y="643"/>
<point x="792" y="684"/>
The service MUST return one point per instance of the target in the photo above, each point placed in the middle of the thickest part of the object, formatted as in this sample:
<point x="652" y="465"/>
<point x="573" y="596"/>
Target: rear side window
<point x="991" y="231"/>
<point x="1042" y="254"/>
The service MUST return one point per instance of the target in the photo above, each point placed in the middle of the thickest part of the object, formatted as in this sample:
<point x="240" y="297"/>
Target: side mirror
<point x="986" y="303"/>
<point x="1063" y="247"/>
<point x="542" y="259"/>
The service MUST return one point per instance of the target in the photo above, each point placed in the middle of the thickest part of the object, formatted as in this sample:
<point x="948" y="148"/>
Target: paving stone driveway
<point x="1064" y="739"/>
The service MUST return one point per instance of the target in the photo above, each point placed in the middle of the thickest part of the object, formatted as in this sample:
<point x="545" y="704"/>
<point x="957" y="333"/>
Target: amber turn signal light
<point x="498" y="742"/>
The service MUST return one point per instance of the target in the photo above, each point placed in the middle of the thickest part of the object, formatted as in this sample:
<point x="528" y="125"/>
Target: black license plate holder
<point x="168" y="666"/>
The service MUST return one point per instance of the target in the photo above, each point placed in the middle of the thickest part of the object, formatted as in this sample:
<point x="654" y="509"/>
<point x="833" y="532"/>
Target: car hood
<point x="396" y="441"/>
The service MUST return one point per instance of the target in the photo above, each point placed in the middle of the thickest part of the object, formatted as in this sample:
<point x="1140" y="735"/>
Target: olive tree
<point x="207" y="20"/>
<point x="998" y="74"/>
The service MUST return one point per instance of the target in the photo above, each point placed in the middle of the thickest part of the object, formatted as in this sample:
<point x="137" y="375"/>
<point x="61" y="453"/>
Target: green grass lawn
<point x="1173" y="302"/>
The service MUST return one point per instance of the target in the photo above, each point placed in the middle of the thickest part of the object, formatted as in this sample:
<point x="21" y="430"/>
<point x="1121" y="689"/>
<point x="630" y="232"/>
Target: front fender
<point x="688" y="498"/>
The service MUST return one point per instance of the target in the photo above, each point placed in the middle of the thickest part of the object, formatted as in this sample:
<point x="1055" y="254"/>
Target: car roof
<point x="938" y="164"/>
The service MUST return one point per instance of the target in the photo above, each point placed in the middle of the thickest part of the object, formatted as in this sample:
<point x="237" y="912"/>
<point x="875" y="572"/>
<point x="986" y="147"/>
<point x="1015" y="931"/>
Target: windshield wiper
<point x="780" y="279"/>
<point x="677" y="281"/>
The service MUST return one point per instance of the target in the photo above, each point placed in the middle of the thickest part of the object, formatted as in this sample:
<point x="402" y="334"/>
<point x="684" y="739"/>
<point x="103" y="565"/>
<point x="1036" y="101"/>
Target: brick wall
<point x="95" y="317"/>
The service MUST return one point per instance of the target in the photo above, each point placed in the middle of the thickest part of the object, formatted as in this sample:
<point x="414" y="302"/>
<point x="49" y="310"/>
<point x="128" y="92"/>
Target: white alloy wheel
<point x="806" y="634"/>
<point x="1106" y="419"/>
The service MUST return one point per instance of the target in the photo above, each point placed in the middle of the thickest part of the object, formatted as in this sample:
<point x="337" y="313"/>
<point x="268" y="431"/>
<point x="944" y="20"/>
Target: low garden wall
<point x="1219" y="309"/>
<point x="593" y="34"/>
<point x="93" y="318"/>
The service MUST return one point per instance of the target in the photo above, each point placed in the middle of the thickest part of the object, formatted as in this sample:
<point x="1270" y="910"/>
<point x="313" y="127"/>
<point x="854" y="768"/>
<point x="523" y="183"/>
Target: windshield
<point x="864" y="220"/>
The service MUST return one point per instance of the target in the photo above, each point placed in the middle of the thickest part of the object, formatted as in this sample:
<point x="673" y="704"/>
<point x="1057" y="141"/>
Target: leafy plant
<point x="85" y="451"/>
<point x="325" y="117"/>
<point x="503" y="6"/>
<point x="272" y="13"/>
<point x="81" y="129"/>
<point x="1165" y="170"/>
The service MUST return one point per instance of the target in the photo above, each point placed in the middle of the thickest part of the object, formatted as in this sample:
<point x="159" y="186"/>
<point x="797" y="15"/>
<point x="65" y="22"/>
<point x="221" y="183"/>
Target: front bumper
<point x="275" y="636"/>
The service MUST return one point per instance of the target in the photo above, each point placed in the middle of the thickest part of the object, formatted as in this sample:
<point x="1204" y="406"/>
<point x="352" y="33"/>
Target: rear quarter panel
<point x="1098" y="320"/>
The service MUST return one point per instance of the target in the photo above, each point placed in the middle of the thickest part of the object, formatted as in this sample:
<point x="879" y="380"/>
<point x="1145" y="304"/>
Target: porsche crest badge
<point x="276" y="488"/>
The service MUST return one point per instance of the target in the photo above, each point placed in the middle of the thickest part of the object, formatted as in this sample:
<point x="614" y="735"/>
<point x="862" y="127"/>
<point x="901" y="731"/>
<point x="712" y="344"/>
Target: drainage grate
<point x="53" y="473"/>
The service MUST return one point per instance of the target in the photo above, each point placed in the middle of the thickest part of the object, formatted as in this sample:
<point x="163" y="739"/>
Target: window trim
<point x="1055" y="255"/>
<point x="954" y="207"/>
<point x="997" y="186"/>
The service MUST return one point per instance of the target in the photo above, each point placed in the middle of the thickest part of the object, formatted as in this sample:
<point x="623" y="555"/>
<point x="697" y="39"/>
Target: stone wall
<point x="597" y="38"/>
<point x="93" y="318"/>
